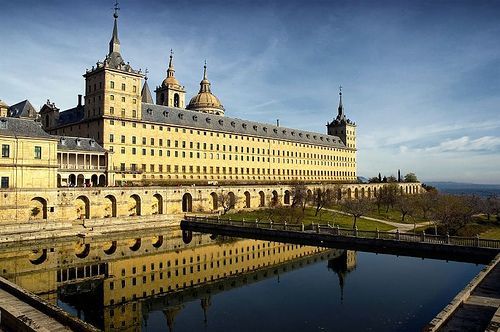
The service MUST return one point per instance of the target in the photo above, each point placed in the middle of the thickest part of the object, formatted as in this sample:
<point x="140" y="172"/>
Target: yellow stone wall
<point x="22" y="167"/>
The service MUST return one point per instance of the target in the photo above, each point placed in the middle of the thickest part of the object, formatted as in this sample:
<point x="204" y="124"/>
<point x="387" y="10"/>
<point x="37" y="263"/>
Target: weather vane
<point x="146" y="72"/>
<point x="116" y="8"/>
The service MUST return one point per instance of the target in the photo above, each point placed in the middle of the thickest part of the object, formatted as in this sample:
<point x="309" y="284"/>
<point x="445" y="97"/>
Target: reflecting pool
<point x="155" y="282"/>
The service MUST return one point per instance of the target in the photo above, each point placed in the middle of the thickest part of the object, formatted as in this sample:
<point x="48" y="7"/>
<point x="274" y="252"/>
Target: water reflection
<point x="155" y="281"/>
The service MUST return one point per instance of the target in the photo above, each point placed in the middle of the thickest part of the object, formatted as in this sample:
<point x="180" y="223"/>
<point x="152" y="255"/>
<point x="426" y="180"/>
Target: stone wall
<point x="77" y="204"/>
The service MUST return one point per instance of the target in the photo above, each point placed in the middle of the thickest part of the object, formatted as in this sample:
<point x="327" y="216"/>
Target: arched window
<point x="176" y="100"/>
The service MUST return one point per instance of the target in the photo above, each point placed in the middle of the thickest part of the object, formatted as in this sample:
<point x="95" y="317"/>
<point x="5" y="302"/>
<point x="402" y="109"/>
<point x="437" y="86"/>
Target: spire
<point x="114" y="43"/>
<point x="205" y="83"/>
<point x="171" y="70"/>
<point x="341" y="107"/>
<point x="146" y="93"/>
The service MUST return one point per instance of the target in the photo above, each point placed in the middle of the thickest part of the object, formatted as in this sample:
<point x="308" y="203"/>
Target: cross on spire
<point x="116" y="9"/>
<point x="146" y="72"/>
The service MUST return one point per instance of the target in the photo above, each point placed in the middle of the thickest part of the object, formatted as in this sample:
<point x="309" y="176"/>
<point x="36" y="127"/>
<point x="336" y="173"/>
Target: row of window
<point x="6" y="151"/>
<point x="230" y="170"/>
<point x="231" y="136"/>
<point x="217" y="147"/>
<point x="111" y="85"/>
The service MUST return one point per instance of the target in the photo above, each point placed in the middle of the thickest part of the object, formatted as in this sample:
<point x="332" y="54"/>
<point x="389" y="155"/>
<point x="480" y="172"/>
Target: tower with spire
<point x="171" y="93"/>
<point x="342" y="127"/>
<point x="205" y="101"/>
<point x="112" y="89"/>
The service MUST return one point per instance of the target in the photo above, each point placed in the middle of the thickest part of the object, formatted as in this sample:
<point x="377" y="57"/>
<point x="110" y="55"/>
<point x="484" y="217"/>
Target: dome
<point x="170" y="81"/>
<point x="205" y="101"/>
<point x="3" y="104"/>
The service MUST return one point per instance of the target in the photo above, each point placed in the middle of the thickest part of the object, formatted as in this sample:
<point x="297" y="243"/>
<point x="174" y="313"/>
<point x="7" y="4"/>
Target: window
<point x="134" y="88"/>
<point x="5" y="182"/>
<point x="38" y="152"/>
<point x="111" y="110"/>
<point x="123" y="139"/>
<point x="133" y="140"/>
<point x="112" y="84"/>
<point x="111" y="138"/>
<point x="5" y="151"/>
<point x="123" y="86"/>
<point x="111" y="97"/>
<point x="123" y="99"/>
<point x="134" y="113"/>
<point x="123" y="112"/>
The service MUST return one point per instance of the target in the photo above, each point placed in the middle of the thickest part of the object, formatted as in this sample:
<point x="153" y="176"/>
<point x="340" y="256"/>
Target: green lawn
<point x="480" y="226"/>
<point x="393" y="214"/>
<point x="324" y="217"/>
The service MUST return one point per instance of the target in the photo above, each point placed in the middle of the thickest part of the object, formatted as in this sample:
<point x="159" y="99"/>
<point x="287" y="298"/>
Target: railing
<point x="349" y="232"/>
<point x="82" y="167"/>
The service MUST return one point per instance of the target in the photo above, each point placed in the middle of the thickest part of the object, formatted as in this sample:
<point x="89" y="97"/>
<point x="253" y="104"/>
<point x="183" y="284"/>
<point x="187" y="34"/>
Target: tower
<point x="171" y="93"/>
<point x="205" y="101"/>
<point x="112" y="87"/>
<point x="49" y="114"/>
<point x="342" y="127"/>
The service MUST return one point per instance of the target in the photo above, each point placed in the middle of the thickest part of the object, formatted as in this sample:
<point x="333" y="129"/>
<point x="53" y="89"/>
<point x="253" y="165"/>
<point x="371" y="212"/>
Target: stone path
<point x="400" y="226"/>
<point x="32" y="317"/>
<point x="478" y="310"/>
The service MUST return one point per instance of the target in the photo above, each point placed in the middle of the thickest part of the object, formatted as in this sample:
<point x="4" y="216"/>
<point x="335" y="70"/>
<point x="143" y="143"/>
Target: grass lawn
<point x="393" y="214"/>
<point x="324" y="217"/>
<point x="485" y="229"/>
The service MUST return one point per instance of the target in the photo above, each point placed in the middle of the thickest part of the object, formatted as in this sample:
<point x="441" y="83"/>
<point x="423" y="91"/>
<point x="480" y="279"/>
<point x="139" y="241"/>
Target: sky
<point x="421" y="79"/>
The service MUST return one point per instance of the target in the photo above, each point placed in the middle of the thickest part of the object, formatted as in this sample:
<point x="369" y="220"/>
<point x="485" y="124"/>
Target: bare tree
<point x="299" y="196"/>
<point x="356" y="207"/>
<point x="426" y="201"/>
<point x="227" y="200"/>
<point x="455" y="212"/>
<point x="389" y="193"/>
<point x="323" y="197"/>
<point x="406" y="205"/>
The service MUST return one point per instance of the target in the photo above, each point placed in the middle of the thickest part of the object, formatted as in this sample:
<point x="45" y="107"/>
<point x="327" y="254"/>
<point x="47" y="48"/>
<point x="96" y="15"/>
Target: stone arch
<point x="111" y="249"/>
<point x="176" y="100"/>
<point x="187" y="203"/>
<point x="369" y="192"/>
<point x="362" y="192"/>
<point x="36" y="257"/>
<point x="157" y="206"/>
<point x="94" y="179"/>
<point x="72" y="180"/>
<point x="274" y="197"/>
<point x="356" y="194"/>
<point x="215" y="201"/>
<point x="82" y="250"/>
<point x="349" y="193"/>
<point x="375" y="191"/>
<point x="134" y="205"/>
<point x="38" y="208"/>
<point x="102" y="180"/>
<point x="339" y="194"/>
<point x="262" y="197"/>
<point x="232" y="199"/>
<point x="80" y="180"/>
<point x="136" y="245"/>
<point x="110" y="207"/>
<point x="286" y="197"/>
<point x="247" y="199"/>
<point x="82" y="207"/>
<point x="157" y="241"/>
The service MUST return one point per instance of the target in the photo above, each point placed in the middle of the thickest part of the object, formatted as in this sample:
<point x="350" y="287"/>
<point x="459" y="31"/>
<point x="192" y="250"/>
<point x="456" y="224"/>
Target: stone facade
<point x="107" y="203"/>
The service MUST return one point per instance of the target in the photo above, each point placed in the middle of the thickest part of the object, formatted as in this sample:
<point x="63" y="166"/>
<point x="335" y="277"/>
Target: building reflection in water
<point x="115" y="282"/>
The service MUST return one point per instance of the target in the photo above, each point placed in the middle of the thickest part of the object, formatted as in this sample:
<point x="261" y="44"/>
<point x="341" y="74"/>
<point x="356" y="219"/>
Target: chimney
<point x="277" y="122"/>
<point x="79" y="100"/>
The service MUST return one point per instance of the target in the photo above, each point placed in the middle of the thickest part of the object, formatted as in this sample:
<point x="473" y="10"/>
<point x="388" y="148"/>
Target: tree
<point x="392" y="178"/>
<point x="356" y="207"/>
<point x="406" y="205"/>
<point x="227" y="200"/>
<point x="374" y="180"/>
<point x="455" y="212"/>
<point x="491" y="205"/>
<point x="379" y="177"/>
<point x="426" y="201"/>
<point x="299" y="196"/>
<point x="411" y="177"/>
<point x="323" y="197"/>
<point x="389" y="195"/>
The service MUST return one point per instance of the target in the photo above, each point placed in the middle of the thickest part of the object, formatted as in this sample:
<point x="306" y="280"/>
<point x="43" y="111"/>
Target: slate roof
<point x="72" y="115"/>
<point x="146" y="94"/>
<point x="23" y="109"/>
<point x="22" y="127"/>
<point x="181" y="117"/>
<point x="78" y="143"/>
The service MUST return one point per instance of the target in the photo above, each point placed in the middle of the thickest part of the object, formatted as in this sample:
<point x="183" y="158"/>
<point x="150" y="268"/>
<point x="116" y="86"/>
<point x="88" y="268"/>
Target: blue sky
<point x="420" y="78"/>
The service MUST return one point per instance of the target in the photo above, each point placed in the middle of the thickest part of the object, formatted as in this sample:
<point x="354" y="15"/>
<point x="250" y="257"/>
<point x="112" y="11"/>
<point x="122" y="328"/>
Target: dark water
<point x="383" y="293"/>
<point x="155" y="282"/>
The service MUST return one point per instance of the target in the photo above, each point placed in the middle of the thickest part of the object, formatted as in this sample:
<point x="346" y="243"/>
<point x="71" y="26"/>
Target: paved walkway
<point x="32" y="317"/>
<point x="400" y="226"/>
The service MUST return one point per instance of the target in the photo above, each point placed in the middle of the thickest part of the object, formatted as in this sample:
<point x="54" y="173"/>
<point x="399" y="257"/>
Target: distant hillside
<point x="466" y="188"/>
